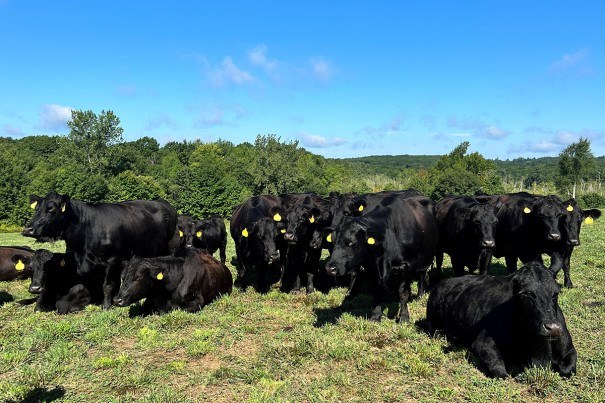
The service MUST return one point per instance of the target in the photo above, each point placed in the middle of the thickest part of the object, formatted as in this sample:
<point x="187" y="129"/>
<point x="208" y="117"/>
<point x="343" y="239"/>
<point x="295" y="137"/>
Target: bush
<point x="591" y="200"/>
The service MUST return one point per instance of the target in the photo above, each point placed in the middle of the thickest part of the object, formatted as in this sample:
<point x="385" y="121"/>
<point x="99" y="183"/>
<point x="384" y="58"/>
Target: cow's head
<point x="340" y="206"/>
<point x="263" y="236"/>
<point x="45" y="265"/>
<point x="300" y="221"/>
<point x="138" y="276"/>
<point x="572" y="221"/>
<point x="546" y="212"/>
<point x="536" y="293"/>
<point x="188" y="230"/>
<point x="483" y="221"/>
<point x="353" y="243"/>
<point x="50" y="214"/>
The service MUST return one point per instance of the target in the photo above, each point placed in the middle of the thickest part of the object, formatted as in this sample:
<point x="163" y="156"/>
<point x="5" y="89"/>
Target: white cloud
<point x="553" y="140"/>
<point x="159" y="120"/>
<point x="258" y="57"/>
<point x="12" y="130"/>
<point x="54" y="117"/>
<point x="321" y="69"/>
<point x="568" y="61"/>
<point x="227" y="74"/>
<point x="217" y="115"/>
<point x="477" y="127"/>
<point x="315" y="141"/>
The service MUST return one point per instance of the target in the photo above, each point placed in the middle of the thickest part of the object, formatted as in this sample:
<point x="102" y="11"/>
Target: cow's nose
<point x="274" y="256"/>
<point x="118" y="301"/>
<point x="35" y="289"/>
<point x="289" y="236"/>
<point x="553" y="329"/>
<point x="331" y="270"/>
<point x="28" y="231"/>
<point x="554" y="237"/>
<point x="488" y="244"/>
<point x="574" y="242"/>
<point x="188" y="245"/>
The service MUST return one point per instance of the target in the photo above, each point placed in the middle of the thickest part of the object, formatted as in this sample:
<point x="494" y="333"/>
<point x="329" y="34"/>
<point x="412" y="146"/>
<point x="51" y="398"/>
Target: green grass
<point x="278" y="347"/>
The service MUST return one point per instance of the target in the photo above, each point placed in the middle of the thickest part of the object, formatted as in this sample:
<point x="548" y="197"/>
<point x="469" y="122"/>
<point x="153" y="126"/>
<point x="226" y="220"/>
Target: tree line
<point x="93" y="162"/>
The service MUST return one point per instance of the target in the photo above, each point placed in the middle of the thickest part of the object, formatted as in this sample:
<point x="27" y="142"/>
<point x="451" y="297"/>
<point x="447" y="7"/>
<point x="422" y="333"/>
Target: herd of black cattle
<point x="121" y="253"/>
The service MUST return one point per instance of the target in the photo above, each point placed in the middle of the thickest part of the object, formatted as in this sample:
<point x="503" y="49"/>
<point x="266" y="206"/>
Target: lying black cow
<point x="570" y="226"/>
<point x="507" y="322"/>
<point x="395" y="243"/>
<point x="209" y="234"/>
<point x="57" y="283"/>
<point x="256" y="228"/>
<point x="13" y="262"/>
<point x="101" y="236"/>
<point x="467" y="230"/>
<point x="170" y="282"/>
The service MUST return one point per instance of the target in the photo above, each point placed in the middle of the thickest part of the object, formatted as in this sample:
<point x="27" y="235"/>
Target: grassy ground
<point x="278" y="347"/>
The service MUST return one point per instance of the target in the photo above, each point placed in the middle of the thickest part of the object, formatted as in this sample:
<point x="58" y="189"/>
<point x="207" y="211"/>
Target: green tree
<point x="576" y="162"/>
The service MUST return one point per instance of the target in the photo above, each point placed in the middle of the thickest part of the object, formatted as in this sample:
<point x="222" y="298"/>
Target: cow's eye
<point x="351" y="244"/>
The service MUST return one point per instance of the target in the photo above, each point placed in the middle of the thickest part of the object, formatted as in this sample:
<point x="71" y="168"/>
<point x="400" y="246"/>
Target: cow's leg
<point x="111" y="284"/>
<point x="485" y="259"/>
<point x="313" y="257"/>
<point x="422" y="284"/>
<point x="45" y="302"/>
<point x="353" y="277"/>
<point x="223" y="253"/>
<point x="439" y="260"/>
<point x="380" y="291"/>
<point x="511" y="263"/>
<point x="486" y="350"/>
<point x="567" y="277"/>
<point x="404" y="297"/>
<point x="457" y="265"/>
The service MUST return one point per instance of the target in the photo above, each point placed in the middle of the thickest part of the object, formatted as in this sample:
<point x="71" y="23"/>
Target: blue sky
<point x="344" y="78"/>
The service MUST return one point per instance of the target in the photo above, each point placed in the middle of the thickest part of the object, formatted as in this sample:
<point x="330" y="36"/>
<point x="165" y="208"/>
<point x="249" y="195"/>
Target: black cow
<point x="256" y="228"/>
<point x="365" y="203"/>
<point x="395" y="243"/>
<point x="571" y="224"/>
<point x="57" y="283"/>
<point x="209" y="234"/>
<point x="303" y="214"/>
<point x="101" y="236"/>
<point x="528" y="225"/>
<point x="507" y="322"/>
<point x="171" y="282"/>
<point x="13" y="262"/>
<point x="467" y="230"/>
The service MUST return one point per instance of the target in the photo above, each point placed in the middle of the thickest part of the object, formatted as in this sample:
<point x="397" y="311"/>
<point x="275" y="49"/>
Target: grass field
<point x="278" y="347"/>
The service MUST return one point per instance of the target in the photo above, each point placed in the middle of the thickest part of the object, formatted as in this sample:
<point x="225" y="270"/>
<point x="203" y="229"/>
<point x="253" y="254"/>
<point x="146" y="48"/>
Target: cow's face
<point x="300" y="220"/>
<point x="547" y="212"/>
<point x="49" y="218"/>
<point x="483" y="221"/>
<point x="536" y="293"/>
<point x="187" y="231"/>
<point x="352" y="244"/>
<point x="572" y="221"/>
<point x="43" y="265"/>
<point x="137" y="281"/>
<point x="340" y="206"/>
<point x="263" y="237"/>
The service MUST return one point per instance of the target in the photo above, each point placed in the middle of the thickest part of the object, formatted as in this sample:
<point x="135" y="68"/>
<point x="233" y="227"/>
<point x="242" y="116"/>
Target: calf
<point x="13" y="262"/>
<point x="467" y="232"/>
<point x="56" y="282"/>
<point x="506" y="321"/>
<point x="256" y="228"/>
<point x="169" y="282"/>
<point x="395" y="243"/>
<point x="209" y="234"/>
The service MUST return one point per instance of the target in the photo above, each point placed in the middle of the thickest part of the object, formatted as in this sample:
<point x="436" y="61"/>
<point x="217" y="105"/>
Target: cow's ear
<point x="373" y="239"/>
<point x="156" y="273"/>
<point x="281" y="227"/>
<point x="34" y="201"/>
<point x="277" y="213"/>
<point x="359" y="206"/>
<point x="327" y="234"/>
<point x="65" y="203"/>
<point x="591" y="214"/>
<point x="314" y="214"/>
<point x="20" y="262"/>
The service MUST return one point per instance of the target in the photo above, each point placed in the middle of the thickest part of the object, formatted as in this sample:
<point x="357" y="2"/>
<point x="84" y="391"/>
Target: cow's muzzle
<point x="552" y="330"/>
<point x="35" y="289"/>
<point x="488" y="243"/>
<point x="554" y="236"/>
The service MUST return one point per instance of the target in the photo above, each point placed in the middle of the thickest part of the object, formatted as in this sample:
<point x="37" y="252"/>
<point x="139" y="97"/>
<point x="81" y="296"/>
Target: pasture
<point x="279" y="347"/>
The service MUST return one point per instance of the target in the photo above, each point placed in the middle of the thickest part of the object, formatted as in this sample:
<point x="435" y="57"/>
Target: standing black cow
<point x="571" y="224"/>
<point x="467" y="232"/>
<point x="57" y="283"/>
<point x="256" y="227"/>
<point x="101" y="235"/>
<point x="171" y="282"/>
<point x="14" y="262"/>
<point x="209" y="234"/>
<point x="365" y="203"/>
<point x="394" y="243"/>
<point x="527" y="226"/>
<point x="506" y="321"/>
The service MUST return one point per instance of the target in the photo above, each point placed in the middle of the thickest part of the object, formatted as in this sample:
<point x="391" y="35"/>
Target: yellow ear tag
<point x="360" y="207"/>
<point x="526" y="210"/>
<point x="283" y="230"/>
<point x="589" y="220"/>
<point x="312" y="219"/>
<point x="277" y="217"/>
<point x="63" y="208"/>
<point x="62" y="263"/>
<point x="19" y="266"/>
<point x="570" y="208"/>
<point x="180" y="233"/>
<point x="245" y="233"/>
<point x="33" y="205"/>
<point x="198" y="234"/>
<point x="160" y="276"/>
<point x="329" y="238"/>
<point x="371" y="241"/>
